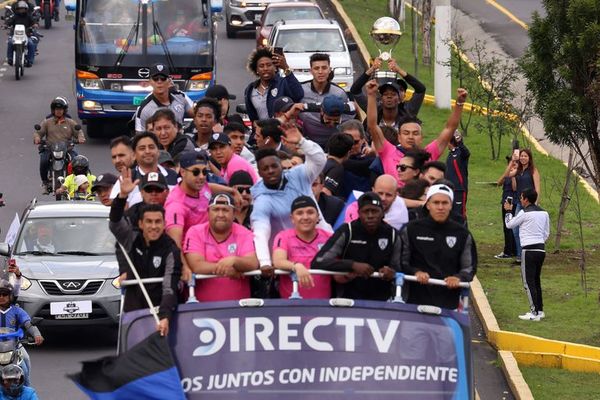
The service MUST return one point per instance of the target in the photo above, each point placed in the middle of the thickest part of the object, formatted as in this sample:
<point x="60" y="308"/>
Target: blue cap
<point x="190" y="157"/>
<point x="333" y="105"/>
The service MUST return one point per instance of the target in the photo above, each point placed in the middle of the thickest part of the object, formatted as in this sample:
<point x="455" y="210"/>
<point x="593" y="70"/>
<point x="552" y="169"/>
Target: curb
<point x="514" y="377"/>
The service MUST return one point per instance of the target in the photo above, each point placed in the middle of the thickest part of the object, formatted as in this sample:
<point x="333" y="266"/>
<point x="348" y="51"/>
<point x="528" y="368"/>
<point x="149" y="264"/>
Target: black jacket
<point x="352" y="243"/>
<point x="179" y="144"/>
<point x="161" y="258"/>
<point x="441" y="250"/>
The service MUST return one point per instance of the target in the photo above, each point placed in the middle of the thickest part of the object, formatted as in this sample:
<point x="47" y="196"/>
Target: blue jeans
<point x="31" y="46"/>
<point x="516" y="233"/>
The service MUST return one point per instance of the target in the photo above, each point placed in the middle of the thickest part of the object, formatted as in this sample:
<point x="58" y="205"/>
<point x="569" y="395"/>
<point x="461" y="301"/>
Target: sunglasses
<point x="153" y="189"/>
<point x="243" y="190"/>
<point x="159" y="78"/>
<point x="198" y="171"/>
<point x="403" y="168"/>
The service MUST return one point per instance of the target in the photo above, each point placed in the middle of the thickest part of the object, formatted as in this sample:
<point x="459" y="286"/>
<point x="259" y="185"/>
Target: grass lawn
<point x="561" y="384"/>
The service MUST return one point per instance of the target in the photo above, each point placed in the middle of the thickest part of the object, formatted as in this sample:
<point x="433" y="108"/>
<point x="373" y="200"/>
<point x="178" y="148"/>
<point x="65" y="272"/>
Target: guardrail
<point x="400" y="278"/>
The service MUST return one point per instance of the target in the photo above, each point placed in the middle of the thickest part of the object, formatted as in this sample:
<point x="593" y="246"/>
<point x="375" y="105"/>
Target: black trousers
<point x="532" y="260"/>
<point x="509" y="239"/>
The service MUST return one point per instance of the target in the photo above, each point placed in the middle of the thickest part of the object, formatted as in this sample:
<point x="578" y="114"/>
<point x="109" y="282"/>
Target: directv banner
<point x="309" y="349"/>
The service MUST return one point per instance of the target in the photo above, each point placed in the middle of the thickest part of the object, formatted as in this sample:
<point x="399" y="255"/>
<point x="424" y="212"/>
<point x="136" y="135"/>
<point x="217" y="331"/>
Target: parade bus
<point x="117" y="41"/>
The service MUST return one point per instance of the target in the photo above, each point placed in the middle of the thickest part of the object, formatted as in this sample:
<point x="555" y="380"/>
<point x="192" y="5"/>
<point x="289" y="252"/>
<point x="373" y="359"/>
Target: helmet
<point x="13" y="380"/>
<point x="6" y="286"/>
<point x="80" y="165"/>
<point x="59" y="102"/>
<point x="22" y="4"/>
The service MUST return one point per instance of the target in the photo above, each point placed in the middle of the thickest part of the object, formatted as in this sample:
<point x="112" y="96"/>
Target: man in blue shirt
<point x="13" y="385"/>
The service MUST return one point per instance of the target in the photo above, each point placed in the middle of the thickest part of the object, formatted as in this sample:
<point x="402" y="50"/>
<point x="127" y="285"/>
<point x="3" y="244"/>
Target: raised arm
<point x="315" y="157"/>
<point x="452" y="123"/>
<point x="374" y="129"/>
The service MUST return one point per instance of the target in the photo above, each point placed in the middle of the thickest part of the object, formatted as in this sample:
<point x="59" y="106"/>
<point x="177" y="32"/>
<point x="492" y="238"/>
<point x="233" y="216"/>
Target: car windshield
<point x="290" y="13"/>
<point x="65" y="236"/>
<point x="310" y="41"/>
<point x="180" y="27"/>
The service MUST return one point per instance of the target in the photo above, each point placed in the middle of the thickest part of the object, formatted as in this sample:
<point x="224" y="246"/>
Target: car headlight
<point x="238" y="3"/>
<point x="6" y="358"/>
<point x="25" y="283"/>
<point x="342" y="71"/>
<point x="91" y="84"/>
<point x="116" y="283"/>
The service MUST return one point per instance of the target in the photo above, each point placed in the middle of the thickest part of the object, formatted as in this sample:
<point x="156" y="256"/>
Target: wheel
<point x="231" y="33"/>
<point x="18" y="62"/>
<point x="47" y="16"/>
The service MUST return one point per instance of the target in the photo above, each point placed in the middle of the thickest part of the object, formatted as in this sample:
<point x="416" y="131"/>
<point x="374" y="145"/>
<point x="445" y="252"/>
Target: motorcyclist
<point x="55" y="11"/>
<point x="58" y="127"/>
<point x="81" y="166"/>
<point x="15" y="317"/>
<point x="22" y="16"/>
<point x="13" y="385"/>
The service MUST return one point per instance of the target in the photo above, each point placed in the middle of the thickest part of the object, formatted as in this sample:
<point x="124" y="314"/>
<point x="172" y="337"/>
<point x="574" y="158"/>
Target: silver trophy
<point x="386" y="34"/>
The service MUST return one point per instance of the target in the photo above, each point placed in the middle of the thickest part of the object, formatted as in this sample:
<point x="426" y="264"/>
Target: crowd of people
<point x="305" y="184"/>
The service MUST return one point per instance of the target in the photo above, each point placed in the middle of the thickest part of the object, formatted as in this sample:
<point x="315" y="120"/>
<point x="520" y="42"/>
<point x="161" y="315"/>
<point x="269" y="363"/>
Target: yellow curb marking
<point x="510" y="15"/>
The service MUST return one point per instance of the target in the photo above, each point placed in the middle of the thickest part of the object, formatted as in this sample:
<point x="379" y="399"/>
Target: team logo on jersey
<point x="451" y="241"/>
<point x="274" y="92"/>
<point x="156" y="261"/>
<point x="382" y="243"/>
<point x="178" y="107"/>
<point x="232" y="248"/>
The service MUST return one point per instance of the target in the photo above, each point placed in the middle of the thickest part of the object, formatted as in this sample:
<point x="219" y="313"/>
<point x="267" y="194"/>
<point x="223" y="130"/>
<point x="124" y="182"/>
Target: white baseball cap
<point x="440" y="189"/>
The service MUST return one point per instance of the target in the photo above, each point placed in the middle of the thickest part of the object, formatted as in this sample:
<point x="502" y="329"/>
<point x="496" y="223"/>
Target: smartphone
<point x="509" y="200"/>
<point x="278" y="50"/>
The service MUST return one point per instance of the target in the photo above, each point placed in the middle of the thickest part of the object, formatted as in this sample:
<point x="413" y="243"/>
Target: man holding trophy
<point x="393" y="83"/>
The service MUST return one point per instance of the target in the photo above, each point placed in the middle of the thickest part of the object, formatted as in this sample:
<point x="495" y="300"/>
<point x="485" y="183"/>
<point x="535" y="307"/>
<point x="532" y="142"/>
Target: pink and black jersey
<point x="240" y="243"/>
<point x="390" y="157"/>
<point x="303" y="252"/>
<point x="182" y="210"/>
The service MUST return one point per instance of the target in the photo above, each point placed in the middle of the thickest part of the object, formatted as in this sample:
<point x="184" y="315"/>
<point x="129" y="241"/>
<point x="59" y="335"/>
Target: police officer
<point x="436" y="247"/>
<point x="362" y="247"/>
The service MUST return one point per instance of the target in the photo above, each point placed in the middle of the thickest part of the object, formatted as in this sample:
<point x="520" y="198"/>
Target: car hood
<point x="66" y="267"/>
<point x="302" y="60"/>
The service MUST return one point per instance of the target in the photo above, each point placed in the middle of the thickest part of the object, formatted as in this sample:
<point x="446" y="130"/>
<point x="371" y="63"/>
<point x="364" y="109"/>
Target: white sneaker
<point x="530" y="317"/>
<point x="541" y="314"/>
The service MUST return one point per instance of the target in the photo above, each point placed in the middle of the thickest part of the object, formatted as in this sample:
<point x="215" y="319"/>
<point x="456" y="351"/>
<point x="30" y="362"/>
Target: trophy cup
<point x="385" y="33"/>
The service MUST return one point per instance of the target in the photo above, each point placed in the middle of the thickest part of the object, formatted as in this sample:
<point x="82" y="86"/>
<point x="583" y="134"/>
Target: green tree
<point x="561" y="65"/>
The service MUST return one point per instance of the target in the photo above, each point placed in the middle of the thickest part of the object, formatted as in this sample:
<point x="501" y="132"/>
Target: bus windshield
<point x="109" y="31"/>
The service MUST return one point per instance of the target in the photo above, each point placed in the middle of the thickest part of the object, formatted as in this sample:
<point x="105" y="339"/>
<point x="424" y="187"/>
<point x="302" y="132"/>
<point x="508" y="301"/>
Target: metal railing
<point x="400" y="278"/>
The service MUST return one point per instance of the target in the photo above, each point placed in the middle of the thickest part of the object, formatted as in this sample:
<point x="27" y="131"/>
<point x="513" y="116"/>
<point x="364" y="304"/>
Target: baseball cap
<point x="219" y="92"/>
<point x="153" y="179"/>
<point x="439" y="189"/>
<point x="333" y="105"/>
<point x="164" y="156"/>
<point x="190" y="157"/>
<point x="104" y="181"/>
<point x="303" y="201"/>
<point x="389" y="84"/>
<point x="80" y="180"/>
<point x="369" y="198"/>
<point x="159" y="69"/>
<point x="282" y="104"/>
<point x="218" y="138"/>
<point x="240" y="177"/>
<point x="221" y="199"/>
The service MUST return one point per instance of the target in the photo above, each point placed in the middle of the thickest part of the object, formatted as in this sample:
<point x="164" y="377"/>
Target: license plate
<point x="71" y="308"/>
<point x="137" y="100"/>
<point x="72" y="316"/>
<point x="257" y="17"/>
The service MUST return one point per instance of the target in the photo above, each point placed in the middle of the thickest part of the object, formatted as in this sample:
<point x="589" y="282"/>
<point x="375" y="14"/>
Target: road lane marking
<point x="510" y="15"/>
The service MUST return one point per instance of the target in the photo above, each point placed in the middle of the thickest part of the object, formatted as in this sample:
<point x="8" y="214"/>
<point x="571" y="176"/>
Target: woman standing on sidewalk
<point x="507" y="192"/>
<point x="525" y="177"/>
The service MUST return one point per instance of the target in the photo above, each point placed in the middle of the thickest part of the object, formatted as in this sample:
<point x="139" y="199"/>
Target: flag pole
<point x="140" y="283"/>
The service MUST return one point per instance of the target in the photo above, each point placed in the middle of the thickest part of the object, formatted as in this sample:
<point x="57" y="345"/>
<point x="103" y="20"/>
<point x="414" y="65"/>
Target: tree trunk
<point x="564" y="202"/>
<point x="426" y="12"/>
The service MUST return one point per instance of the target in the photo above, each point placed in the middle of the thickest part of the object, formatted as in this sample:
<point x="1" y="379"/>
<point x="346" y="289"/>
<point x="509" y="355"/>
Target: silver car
<point x="241" y="14"/>
<point x="66" y="255"/>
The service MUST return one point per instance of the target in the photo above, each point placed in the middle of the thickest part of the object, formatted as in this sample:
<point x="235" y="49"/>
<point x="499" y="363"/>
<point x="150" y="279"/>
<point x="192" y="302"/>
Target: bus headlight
<point x="90" y="105"/>
<point x="91" y="84"/>
<point x="200" y="81"/>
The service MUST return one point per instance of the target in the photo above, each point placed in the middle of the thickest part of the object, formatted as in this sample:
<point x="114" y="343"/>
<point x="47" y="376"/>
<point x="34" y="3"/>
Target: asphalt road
<point x="512" y="37"/>
<point x="25" y="103"/>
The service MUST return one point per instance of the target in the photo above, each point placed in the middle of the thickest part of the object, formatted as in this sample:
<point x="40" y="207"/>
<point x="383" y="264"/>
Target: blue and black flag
<point x="147" y="371"/>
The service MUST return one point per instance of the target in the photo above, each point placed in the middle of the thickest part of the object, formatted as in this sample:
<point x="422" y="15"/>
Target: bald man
<point x="396" y="213"/>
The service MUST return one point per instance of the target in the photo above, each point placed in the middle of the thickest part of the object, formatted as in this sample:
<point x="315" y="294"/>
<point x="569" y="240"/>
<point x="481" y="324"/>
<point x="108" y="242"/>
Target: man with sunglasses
<point x="241" y="181"/>
<point x="163" y="95"/>
<point x="320" y="126"/>
<point x="221" y="150"/>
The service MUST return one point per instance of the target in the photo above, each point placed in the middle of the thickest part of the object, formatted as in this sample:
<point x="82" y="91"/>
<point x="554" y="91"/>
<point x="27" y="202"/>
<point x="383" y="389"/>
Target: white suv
<point x="302" y="38"/>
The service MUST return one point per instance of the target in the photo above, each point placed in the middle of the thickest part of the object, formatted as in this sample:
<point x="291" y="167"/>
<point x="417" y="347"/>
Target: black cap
<point x="219" y="92"/>
<point x="164" y="157"/>
<point x="282" y="104"/>
<point x="240" y="177"/>
<point x="156" y="179"/>
<point x="369" y="198"/>
<point x="191" y="157"/>
<point x="303" y="201"/>
<point x="389" y="84"/>
<point x="104" y="181"/>
<point x="218" y="138"/>
<point x="159" y="69"/>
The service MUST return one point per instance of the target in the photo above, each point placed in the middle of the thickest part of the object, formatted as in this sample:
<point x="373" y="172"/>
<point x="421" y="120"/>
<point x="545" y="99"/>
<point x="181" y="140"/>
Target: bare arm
<point x="444" y="137"/>
<point x="372" y="126"/>
<point x="537" y="185"/>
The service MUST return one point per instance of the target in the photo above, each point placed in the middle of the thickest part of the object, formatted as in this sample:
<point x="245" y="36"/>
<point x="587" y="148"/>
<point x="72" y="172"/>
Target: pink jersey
<point x="237" y="163"/>
<point x="240" y="243"/>
<point x="303" y="252"/>
<point x="186" y="211"/>
<point x="390" y="157"/>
